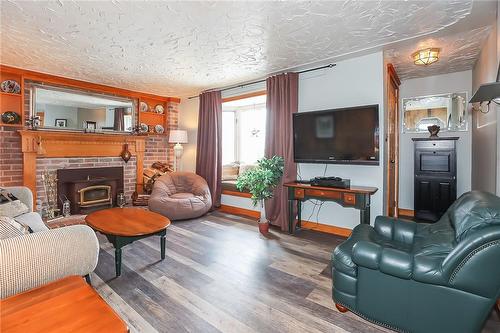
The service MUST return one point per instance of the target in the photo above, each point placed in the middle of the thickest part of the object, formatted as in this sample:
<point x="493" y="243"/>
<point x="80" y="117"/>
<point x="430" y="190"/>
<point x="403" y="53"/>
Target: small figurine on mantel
<point x="434" y="130"/>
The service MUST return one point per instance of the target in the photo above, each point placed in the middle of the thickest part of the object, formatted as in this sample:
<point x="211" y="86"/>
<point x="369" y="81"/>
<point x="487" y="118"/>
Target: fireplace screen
<point x="96" y="195"/>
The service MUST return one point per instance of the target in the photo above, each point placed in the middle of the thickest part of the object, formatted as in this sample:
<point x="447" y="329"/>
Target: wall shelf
<point x="151" y="118"/>
<point x="10" y="101"/>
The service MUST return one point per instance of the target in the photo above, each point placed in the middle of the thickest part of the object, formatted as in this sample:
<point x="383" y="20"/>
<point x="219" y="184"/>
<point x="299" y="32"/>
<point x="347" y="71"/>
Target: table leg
<point x="299" y="214"/>
<point x="162" y="246"/>
<point x="118" y="260"/>
<point x="364" y="215"/>
<point x="290" y="216"/>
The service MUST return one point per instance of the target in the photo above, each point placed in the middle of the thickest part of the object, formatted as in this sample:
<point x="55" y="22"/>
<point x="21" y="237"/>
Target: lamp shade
<point x="486" y="92"/>
<point x="178" y="136"/>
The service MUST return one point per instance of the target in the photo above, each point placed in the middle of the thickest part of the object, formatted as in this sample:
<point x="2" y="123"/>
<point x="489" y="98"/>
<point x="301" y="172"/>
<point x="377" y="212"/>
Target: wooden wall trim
<point x="243" y="96"/>
<point x="237" y="194"/>
<point x="393" y="74"/>
<point x="329" y="229"/>
<point x="253" y="214"/>
<point x="76" y="144"/>
<point x="406" y="212"/>
<point x="59" y="80"/>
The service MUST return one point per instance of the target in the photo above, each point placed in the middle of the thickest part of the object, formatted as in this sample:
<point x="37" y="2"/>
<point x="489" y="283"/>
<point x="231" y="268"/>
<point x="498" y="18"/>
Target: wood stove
<point x="89" y="189"/>
<point x="95" y="195"/>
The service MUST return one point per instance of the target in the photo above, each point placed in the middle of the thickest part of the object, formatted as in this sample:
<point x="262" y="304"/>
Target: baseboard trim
<point x="406" y="212"/>
<point x="239" y="211"/>
<point x="329" y="229"/>
<point x="237" y="194"/>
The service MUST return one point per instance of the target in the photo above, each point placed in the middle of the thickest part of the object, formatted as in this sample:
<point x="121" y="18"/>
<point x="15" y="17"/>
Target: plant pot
<point x="264" y="227"/>
<point x="263" y="222"/>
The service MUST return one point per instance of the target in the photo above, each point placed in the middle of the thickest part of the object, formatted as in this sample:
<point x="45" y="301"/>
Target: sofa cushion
<point x="474" y="211"/>
<point x="12" y="208"/>
<point x="32" y="220"/>
<point x="11" y="228"/>
<point x="245" y="167"/>
<point x="230" y="171"/>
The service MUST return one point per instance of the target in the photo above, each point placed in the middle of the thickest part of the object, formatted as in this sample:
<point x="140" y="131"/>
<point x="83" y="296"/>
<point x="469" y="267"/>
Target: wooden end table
<point x="66" y="305"/>
<point x="122" y="226"/>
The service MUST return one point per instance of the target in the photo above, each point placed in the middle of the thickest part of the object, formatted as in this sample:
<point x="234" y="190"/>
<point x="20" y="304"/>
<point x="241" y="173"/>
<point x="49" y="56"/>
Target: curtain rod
<point x="264" y="80"/>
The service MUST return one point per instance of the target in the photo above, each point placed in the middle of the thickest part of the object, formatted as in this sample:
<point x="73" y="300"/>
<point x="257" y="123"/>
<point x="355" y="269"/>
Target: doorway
<point x="392" y="138"/>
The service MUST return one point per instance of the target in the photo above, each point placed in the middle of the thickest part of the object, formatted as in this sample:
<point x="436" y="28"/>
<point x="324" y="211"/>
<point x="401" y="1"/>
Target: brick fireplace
<point x="90" y="189"/>
<point x="54" y="164"/>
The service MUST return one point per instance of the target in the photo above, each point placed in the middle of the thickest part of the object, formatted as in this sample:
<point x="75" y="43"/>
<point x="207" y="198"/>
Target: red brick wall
<point x="52" y="164"/>
<point x="11" y="159"/>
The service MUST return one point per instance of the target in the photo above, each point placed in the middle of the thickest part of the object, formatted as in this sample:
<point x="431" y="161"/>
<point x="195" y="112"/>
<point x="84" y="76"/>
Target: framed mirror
<point x="71" y="109"/>
<point x="449" y="111"/>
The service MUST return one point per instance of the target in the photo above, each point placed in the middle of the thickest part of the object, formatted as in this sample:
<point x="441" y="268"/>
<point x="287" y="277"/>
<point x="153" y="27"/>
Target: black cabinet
<point x="435" y="176"/>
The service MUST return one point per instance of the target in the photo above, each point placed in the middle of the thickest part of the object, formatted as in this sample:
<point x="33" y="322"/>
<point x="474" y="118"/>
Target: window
<point x="243" y="130"/>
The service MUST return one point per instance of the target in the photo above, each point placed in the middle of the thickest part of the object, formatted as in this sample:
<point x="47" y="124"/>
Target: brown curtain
<point x="209" y="145"/>
<point x="282" y="102"/>
<point x="119" y="123"/>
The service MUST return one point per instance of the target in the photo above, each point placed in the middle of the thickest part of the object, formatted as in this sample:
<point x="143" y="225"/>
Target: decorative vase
<point x="434" y="130"/>
<point x="263" y="222"/>
<point x="125" y="155"/>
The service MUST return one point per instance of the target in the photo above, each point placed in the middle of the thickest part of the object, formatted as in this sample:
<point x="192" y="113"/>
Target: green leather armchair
<point x="418" y="277"/>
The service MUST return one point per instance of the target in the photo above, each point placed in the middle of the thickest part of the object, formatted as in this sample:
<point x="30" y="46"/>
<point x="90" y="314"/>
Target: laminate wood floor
<point x="221" y="275"/>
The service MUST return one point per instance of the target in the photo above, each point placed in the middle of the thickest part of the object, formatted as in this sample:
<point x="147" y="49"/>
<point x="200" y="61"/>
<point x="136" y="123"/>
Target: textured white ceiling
<point x="181" y="48"/>
<point x="459" y="52"/>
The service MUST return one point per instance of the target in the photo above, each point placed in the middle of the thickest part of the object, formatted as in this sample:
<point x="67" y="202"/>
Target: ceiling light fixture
<point x="425" y="56"/>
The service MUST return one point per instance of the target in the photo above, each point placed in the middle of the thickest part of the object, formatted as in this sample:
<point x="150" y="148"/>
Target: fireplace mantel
<point x="43" y="143"/>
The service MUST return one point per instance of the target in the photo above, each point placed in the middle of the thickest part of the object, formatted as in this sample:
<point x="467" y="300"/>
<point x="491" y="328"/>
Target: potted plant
<point x="260" y="182"/>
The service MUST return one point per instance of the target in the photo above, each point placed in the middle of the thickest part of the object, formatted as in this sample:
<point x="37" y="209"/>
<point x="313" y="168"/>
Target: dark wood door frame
<point x="392" y="139"/>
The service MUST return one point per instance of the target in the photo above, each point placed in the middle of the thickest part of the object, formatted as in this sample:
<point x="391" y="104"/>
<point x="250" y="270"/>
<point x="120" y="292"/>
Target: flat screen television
<point x="343" y="136"/>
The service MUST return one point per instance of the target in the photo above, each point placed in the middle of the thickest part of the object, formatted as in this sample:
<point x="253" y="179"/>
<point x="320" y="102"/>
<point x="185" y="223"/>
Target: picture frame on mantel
<point x="61" y="123"/>
<point x="91" y="125"/>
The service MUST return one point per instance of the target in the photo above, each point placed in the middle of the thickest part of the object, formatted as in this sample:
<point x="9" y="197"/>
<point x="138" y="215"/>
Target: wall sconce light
<point x="425" y="56"/>
<point x="485" y="94"/>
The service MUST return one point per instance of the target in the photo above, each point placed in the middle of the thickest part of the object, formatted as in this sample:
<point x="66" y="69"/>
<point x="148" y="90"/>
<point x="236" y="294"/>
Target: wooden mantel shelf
<point x="43" y="143"/>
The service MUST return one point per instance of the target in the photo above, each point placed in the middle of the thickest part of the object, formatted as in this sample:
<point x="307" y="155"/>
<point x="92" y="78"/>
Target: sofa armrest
<point x="367" y="254"/>
<point x="385" y="259"/>
<point x="23" y="194"/>
<point x="35" y="259"/>
<point x="473" y="257"/>
<point x="395" y="229"/>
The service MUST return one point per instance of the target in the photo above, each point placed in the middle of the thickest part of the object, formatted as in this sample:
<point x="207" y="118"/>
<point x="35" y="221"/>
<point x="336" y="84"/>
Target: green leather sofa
<point x="418" y="277"/>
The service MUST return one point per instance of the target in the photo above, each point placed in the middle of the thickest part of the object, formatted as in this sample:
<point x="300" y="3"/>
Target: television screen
<point x="347" y="135"/>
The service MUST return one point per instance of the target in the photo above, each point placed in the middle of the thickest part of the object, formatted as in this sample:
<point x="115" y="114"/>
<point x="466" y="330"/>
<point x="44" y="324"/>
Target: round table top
<point x="127" y="221"/>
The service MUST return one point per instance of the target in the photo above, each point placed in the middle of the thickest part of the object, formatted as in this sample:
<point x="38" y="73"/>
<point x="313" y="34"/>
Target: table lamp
<point x="177" y="137"/>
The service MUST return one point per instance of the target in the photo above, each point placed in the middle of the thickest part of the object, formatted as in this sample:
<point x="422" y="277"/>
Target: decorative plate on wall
<point x="10" y="117"/>
<point x="159" y="129"/>
<point x="10" y="86"/>
<point x="159" y="109"/>
<point x="144" y="107"/>
<point x="144" y="128"/>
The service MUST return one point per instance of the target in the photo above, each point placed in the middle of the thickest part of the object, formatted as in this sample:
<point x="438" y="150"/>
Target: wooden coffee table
<point x="122" y="226"/>
<point x="66" y="305"/>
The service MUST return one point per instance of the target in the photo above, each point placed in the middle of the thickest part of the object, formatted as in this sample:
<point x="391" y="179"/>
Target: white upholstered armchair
<point x="32" y="260"/>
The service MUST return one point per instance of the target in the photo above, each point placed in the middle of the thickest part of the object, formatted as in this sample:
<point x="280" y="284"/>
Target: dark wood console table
<point x="356" y="197"/>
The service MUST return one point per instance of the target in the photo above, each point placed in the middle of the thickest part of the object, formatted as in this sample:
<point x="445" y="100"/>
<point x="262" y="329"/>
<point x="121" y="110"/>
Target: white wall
<point x="53" y="112"/>
<point x="357" y="81"/>
<point x="431" y="85"/>
<point x="188" y="120"/>
<point x="484" y="128"/>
